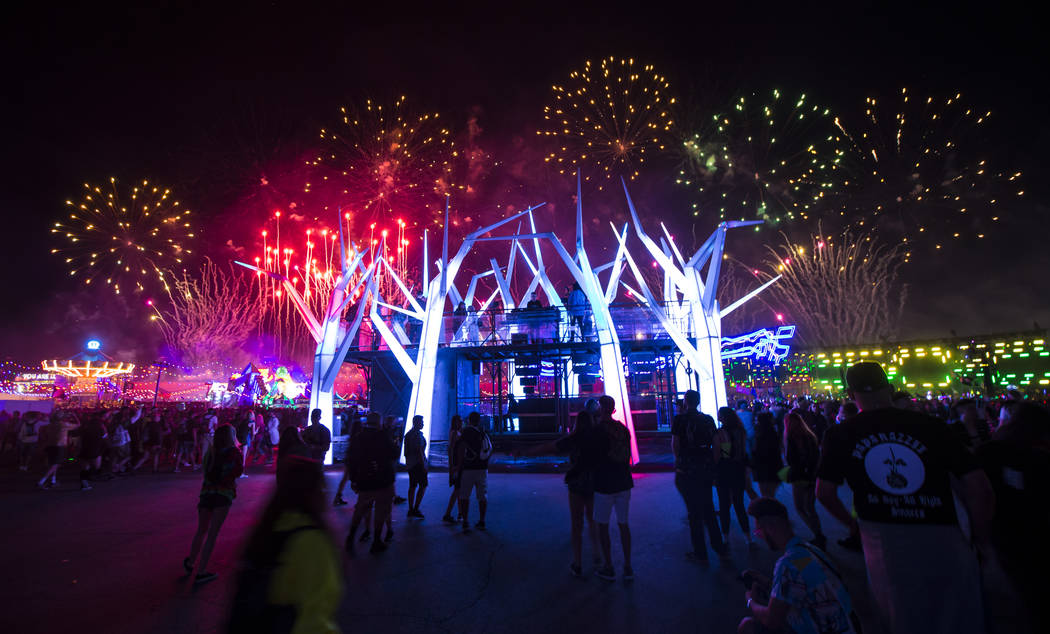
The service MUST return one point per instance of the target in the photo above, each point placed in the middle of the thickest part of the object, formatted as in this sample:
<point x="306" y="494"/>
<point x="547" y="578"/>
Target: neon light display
<point x="761" y="345"/>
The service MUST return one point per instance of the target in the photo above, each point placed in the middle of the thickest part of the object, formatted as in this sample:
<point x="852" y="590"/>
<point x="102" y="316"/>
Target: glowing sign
<point x="760" y="345"/>
<point x="94" y="344"/>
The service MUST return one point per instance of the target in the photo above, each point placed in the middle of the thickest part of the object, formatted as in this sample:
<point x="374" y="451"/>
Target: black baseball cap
<point x="767" y="507"/>
<point x="866" y="376"/>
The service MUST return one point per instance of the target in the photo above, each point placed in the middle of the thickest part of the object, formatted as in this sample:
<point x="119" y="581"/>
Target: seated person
<point x="806" y="593"/>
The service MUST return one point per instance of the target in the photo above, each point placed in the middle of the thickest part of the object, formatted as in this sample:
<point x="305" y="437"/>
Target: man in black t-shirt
<point x="922" y="569"/>
<point x="612" y="487"/>
<point x="370" y="462"/>
<point x="473" y="450"/>
<point x="317" y="437"/>
<point x="692" y="438"/>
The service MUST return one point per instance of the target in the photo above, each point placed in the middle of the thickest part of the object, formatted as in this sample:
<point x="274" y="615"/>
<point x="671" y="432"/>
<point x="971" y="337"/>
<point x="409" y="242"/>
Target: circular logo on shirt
<point x="895" y="468"/>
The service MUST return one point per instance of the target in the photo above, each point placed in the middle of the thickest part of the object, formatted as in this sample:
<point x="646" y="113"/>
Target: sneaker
<point x="339" y="501"/>
<point x="399" y="500"/>
<point x="377" y="547"/>
<point x="851" y="543"/>
<point x="820" y="541"/>
<point x="176" y="470"/>
<point x="365" y="536"/>
<point x="204" y="577"/>
<point x="187" y="565"/>
<point x="480" y="525"/>
<point x="448" y="519"/>
<point x="606" y="572"/>
<point x="244" y="475"/>
<point x="576" y="571"/>
<point x="41" y="484"/>
<point x="628" y="573"/>
<point x="84" y="486"/>
<point x="389" y="536"/>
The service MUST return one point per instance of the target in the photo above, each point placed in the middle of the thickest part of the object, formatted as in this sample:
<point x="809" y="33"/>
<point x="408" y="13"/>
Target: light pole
<point x="156" y="387"/>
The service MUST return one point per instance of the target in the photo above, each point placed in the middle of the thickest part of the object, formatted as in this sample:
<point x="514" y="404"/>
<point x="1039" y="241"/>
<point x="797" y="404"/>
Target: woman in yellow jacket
<point x="289" y="579"/>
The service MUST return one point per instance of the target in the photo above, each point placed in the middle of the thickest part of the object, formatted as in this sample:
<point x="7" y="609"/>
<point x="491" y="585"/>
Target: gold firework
<point x="611" y="116"/>
<point x="124" y="236"/>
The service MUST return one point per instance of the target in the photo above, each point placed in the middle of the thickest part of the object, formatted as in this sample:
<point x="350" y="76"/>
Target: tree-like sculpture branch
<point x="211" y="316"/>
<point x="839" y="291"/>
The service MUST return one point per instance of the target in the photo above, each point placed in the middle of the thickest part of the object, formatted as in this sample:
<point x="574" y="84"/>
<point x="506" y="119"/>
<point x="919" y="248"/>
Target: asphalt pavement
<point x="109" y="560"/>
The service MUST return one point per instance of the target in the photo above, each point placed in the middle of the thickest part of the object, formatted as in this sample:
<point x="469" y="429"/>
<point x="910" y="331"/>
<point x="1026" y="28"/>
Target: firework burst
<point x="612" y="116"/>
<point x="382" y="161"/>
<point x="766" y="156"/>
<point x="838" y="290"/>
<point x="307" y="253"/>
<point x="124" y="236"/>
<point x="920" y="171"/>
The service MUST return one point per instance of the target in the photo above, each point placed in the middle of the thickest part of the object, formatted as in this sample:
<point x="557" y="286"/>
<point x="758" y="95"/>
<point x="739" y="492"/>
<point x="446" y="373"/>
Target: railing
<point x="549" y="324"/>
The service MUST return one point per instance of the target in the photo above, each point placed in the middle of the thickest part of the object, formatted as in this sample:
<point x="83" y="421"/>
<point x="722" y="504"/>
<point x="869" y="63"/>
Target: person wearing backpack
<point x="692" y="440"/>
<point x="612" y="487"/>
<point x="806" y="594"/>
<point x="222" y="465"/>
<point x="370" y="463"/>
<point x="473" y="450"/>
<point x="288" y="579"/>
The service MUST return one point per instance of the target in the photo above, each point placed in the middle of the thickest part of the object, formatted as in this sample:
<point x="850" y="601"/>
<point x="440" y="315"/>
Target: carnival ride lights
<point x="85" y="369"/>
<point x="90" y="364"/>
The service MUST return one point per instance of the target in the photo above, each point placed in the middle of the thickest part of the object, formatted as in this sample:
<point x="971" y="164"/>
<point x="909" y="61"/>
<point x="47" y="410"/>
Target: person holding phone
<point x="806" y="593"/>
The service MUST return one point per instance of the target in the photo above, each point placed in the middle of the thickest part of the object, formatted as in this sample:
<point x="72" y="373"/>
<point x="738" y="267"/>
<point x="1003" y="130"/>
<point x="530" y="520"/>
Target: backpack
<point x="251" y="613"/>
<point x="484" y="453"/>
<point x="29" y="429"/>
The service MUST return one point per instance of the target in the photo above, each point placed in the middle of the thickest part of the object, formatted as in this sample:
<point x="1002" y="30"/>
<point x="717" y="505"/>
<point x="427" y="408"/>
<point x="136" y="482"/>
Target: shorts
<point x="213" y="501"/>
<point x="55" y="455"/>
<point x="604" y="503"/>
<point x="417" y="476"/>
<point x="473" y="479"/>
<point x="382" y="499"/>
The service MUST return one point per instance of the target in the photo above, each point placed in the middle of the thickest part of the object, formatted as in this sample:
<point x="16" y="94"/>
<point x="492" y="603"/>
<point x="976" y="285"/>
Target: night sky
<point x="192" y="97"/>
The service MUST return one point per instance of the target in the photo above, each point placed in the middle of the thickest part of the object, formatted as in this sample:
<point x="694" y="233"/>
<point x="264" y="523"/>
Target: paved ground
<point x="109" y="560"/>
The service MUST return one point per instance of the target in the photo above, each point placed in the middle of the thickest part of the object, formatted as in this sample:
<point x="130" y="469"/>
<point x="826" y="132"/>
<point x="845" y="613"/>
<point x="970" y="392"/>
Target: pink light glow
<point x="780" y="317"/>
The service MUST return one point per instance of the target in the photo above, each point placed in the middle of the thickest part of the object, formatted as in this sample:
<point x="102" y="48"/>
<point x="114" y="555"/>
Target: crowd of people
<point x="120" y="441"/>
<point x="942" y="492"/>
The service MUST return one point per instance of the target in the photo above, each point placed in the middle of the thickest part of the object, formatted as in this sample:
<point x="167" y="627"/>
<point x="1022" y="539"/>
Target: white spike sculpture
<point x="689" y="312"/>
